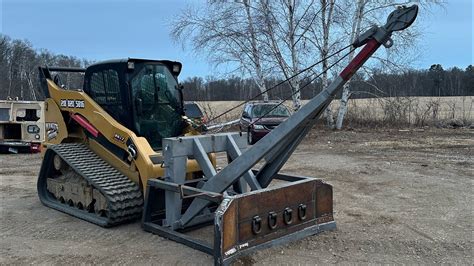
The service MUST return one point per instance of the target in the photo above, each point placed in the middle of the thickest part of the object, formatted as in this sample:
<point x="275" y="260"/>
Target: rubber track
<point x="125" y="200"/>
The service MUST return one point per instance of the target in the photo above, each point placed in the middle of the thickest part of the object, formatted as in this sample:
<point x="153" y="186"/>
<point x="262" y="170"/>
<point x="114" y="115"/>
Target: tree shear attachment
<point x="398" y="20"/>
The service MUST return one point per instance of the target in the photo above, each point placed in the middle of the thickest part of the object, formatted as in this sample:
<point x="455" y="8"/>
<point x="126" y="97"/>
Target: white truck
<point x="22" y="127"/>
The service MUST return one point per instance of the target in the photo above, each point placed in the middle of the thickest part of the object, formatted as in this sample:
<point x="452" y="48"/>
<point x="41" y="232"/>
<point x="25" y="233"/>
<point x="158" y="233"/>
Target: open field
<point x="403" y="111"/>
<point x="400" y="197"/>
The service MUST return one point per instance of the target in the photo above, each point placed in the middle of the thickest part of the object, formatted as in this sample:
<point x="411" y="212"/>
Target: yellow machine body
<point x="139" y="170"/>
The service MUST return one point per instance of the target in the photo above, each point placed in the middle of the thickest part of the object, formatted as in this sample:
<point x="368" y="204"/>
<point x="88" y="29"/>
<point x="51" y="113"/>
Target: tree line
<point x="434" y="81"/>
<point x="19" y="62"/>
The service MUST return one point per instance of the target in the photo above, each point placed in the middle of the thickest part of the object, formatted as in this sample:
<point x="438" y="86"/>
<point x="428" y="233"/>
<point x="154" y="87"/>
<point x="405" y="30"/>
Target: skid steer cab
<point x="122" y="142"/>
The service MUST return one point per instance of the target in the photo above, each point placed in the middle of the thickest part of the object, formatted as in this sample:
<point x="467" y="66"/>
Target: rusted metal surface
<point x="229" y="237"/>
<point x="272" y="216"/>
<point x="324" y="203"/>
<point x="275" y="201"/>
<point x="286" y="212"/>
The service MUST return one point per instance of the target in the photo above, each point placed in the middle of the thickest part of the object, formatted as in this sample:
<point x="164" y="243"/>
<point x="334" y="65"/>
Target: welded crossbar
<point x="177" y="150"/>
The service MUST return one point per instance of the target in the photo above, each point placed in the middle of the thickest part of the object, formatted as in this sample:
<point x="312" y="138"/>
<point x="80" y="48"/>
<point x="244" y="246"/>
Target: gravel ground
<point x="400" y="197"/>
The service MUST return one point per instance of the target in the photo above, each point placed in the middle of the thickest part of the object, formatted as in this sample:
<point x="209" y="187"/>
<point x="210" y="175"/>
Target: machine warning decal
<point x="72" y="103"/>
<point x="230" y="251"/>
<point x="119" y="138"/>
<point x="244" y="245"/>
<point x="51" y="130"/>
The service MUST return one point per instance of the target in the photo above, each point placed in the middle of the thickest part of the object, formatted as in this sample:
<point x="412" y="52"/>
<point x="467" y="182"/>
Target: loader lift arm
<point x="237" y="229"/>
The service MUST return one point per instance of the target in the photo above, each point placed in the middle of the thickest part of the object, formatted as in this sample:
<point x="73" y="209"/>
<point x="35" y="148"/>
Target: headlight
<point x="37" y="136"/>
<point x="258" y="127"/>
<point x="21" y="113"/>
<point x="38" y="113"/>
<point x="33" y="129"/>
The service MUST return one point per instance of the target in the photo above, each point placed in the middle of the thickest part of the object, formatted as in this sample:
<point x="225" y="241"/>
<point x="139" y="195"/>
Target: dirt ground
<point x="400" y="197"/>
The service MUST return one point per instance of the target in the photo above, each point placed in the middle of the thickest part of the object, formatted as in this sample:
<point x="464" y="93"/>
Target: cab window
<point x="105" y="87"/>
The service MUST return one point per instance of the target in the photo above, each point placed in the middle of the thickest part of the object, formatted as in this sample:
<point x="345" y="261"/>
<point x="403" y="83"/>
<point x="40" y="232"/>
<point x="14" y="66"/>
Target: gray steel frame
<point x="176" y="151"/>
<point x="275" y="148"/>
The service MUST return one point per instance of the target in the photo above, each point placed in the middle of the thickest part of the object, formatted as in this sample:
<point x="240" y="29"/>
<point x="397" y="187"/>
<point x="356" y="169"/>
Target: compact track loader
<point x="120" y="148"/>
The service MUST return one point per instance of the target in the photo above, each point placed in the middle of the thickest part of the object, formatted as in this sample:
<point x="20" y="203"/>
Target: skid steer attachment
<point x="291" y="208"/>
<point x="294" y="208"/>
<point x="253" y="220"/>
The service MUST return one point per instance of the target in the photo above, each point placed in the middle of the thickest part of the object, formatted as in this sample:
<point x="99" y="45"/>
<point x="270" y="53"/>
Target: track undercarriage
<point x="76" y="181"/>
<point x="71" y="189"/>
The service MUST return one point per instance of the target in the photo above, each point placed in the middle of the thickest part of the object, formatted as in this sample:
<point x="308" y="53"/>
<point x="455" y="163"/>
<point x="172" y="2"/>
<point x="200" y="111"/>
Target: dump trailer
<point x="22" y="127"/>
<point x="122" y="142"/>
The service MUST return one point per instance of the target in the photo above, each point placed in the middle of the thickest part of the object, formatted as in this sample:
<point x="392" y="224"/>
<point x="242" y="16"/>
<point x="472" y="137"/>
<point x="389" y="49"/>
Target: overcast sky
<point x="109" y="29"/>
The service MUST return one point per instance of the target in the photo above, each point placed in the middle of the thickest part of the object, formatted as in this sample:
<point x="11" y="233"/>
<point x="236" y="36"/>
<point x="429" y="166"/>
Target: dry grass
<point x="411" y="111"/>
<point x="392" y="112"/>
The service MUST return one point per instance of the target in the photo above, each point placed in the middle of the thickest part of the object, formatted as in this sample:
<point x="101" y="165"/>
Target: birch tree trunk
<point x="259" y="77"/>
<point x="346" y="92"/>
<point x="326" y="21"/>
<point x="295" y="82"/>
<point x="273" y="30"/>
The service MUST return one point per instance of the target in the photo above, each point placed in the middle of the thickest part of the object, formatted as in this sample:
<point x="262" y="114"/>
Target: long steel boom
<point x="279" y="144"/>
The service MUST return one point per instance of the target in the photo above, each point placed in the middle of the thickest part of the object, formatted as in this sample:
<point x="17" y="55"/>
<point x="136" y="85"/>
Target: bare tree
<point x="356" y="24"/>
<point x="283" y="31"/>
<point x="257" y="35"/>
<point x="373" y="12"/>
<point x="227" y="31"/>
<point x="291" y="34"/>
<point x="19" y="63"/>
<point x="320" y="37"/>
<point x="259" y="78"/>
<point x="5" y="49"/>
